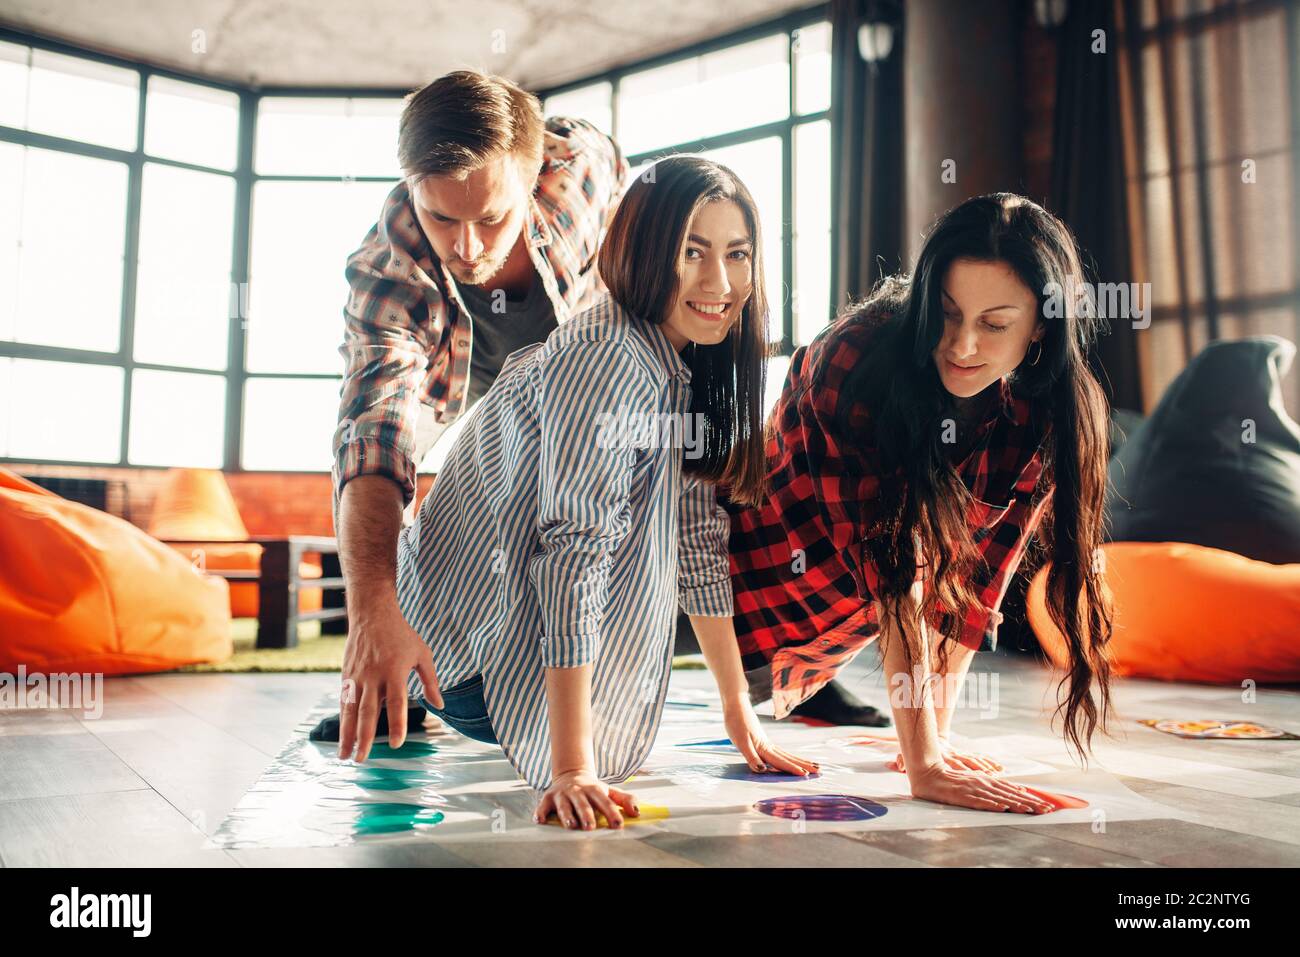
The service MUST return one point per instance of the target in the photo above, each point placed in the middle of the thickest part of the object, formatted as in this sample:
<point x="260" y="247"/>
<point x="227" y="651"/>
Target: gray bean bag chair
<point x="1218" y="462"/>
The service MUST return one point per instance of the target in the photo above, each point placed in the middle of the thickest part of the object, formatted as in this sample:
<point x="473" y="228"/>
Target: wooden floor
<point x="143" y="785"/>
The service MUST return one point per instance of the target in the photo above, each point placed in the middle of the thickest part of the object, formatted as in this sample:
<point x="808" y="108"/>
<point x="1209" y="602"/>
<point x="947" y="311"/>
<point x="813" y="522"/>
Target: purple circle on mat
<point x="741" y="772"/>
<point x="821" y="807"/>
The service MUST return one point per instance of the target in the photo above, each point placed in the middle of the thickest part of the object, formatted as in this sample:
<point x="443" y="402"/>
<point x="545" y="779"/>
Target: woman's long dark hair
<point x="925" y="496"/>
<point x="638" y="262"/>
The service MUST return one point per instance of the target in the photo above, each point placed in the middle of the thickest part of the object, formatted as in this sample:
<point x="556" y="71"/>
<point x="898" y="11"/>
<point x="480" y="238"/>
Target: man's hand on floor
<point x="382" y="650"/>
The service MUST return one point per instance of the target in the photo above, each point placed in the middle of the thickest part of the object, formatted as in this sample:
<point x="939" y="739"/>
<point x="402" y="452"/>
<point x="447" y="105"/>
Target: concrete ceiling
<point x="399" y="44"/>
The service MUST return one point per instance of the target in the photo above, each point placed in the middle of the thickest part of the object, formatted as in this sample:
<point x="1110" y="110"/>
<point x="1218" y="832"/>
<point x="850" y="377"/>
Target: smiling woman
<point x="716" y="275"/>
<point x="981" y="342"/>
<point x="716" y="259"/>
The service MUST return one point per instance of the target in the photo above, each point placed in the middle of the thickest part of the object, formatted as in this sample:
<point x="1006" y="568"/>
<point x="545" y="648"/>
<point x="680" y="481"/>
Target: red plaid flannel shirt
<point x="809" y="612"/>
<point x="407" y="340"/>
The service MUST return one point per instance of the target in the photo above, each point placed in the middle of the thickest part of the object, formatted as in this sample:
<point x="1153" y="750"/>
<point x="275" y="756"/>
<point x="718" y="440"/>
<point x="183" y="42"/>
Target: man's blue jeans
<point x="464" y="710"/>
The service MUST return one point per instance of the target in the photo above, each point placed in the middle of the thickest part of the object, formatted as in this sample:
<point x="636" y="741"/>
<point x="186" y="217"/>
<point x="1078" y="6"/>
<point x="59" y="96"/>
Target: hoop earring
<point x="1040" y="354"/>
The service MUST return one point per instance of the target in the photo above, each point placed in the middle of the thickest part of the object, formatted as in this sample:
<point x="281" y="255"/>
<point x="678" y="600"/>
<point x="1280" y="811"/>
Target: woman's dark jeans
<point x="464" y="710"/>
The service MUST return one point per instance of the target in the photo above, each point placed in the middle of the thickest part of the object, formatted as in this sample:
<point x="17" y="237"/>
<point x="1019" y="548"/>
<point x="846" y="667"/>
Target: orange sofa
<point x="1189" y="613"/>
<point x="82" y="590"/>
<point x="196" y="505"/>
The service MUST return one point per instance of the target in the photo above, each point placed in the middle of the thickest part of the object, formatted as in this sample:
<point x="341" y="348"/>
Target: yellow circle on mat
<point x="649" y="812"/>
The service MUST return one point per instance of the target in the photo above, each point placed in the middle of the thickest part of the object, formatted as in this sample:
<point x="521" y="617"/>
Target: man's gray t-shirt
<point x="497" y="334"/>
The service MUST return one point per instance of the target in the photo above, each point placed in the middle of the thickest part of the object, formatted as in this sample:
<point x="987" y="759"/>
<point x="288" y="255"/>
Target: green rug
<point x="314" y="652"/>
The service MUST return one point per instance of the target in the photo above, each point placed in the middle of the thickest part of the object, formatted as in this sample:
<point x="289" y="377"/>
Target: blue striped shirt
<point x="545" y="544"/>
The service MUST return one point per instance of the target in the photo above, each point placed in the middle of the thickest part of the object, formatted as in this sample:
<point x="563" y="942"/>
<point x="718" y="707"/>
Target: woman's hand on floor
<point x="957" y="760"/>
<point x="974" y="789"/>
<point x="746" y="733"/>
<point x="576" y="797"/>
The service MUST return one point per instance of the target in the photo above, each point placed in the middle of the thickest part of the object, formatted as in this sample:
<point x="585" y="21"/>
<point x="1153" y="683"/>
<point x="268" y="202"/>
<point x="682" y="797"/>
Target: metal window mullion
<point x="787" y="241"/>
<point x="292" y="375"/>
<point x="130" y="269"/>
<point x="788" y="199"/>
<point x="29" y="350"/>
<point x="182" y="164"/>
<point x="241" y="241"/>
<point x="718" y="141"/>
<point x="615" y="89"/>
<point x="833" y="144"/>
<point x="61" y="144"/>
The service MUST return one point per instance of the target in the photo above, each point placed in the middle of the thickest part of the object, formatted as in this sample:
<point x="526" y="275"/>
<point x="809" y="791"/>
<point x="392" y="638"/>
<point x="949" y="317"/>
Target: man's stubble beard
<point x="488" y="271"/>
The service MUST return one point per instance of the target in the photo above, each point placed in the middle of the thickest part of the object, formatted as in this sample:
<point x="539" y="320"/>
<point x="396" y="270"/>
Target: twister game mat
<point x="442" y="787"/>
<point x="1226" y="730"/>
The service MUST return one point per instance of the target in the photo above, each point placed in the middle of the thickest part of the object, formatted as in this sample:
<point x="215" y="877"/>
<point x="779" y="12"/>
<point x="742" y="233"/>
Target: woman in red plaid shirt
<point x="919" y="442"/>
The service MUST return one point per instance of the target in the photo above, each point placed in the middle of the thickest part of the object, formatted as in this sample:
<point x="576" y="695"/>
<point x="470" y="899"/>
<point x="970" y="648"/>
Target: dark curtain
<point x="1088" y="183"/>
<point x="867" y="151"/>
<point x="1212" y="115"/>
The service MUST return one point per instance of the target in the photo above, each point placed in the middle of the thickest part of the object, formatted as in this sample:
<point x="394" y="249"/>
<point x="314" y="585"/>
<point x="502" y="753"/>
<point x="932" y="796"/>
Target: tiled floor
<point x="148" y="781"/>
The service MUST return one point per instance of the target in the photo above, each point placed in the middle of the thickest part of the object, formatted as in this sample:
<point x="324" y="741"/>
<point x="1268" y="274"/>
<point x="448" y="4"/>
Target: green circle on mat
<point x="393" y="779"/>
<point x="410" y="749"/>
<point x="386" y="818"/>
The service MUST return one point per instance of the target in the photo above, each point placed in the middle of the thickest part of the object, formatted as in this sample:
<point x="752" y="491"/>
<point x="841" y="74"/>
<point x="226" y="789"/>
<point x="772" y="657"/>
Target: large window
<point x="172" y="249"/>
<point x="117" y="228"/>
<point x="759" y="103"/>
<point x="58" y="207"/>
<point x="172" y="254"/>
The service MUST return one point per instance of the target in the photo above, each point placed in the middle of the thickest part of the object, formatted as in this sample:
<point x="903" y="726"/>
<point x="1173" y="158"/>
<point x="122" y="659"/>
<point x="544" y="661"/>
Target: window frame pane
<point x="283" y="422"/>
<point x="673" y="88"/>
<point x="272" y="301"/>
<point x="585" y="103"/>
<point x="38" y="422"/>
<point x="167" y="290"/>
<point x="288" y="125"/>
<point x="140" y="443"/>
<point x="161" y="92"/>
<point x="117" y="86"/>
<point x="43" y="250"/>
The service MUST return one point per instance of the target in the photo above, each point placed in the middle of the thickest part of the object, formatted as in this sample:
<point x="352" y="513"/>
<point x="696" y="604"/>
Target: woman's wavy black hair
<point x="926" y="503"/>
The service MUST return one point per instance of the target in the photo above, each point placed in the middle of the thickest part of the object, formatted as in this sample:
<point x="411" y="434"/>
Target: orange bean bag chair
<point x="82" y="590"/>
<point x="1189" y="613"/>
<point x="196" y="505"/>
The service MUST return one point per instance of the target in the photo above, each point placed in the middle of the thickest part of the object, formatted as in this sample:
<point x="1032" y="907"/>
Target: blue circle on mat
<point x="822" y="807"/>
<point x="719" y="744"/>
